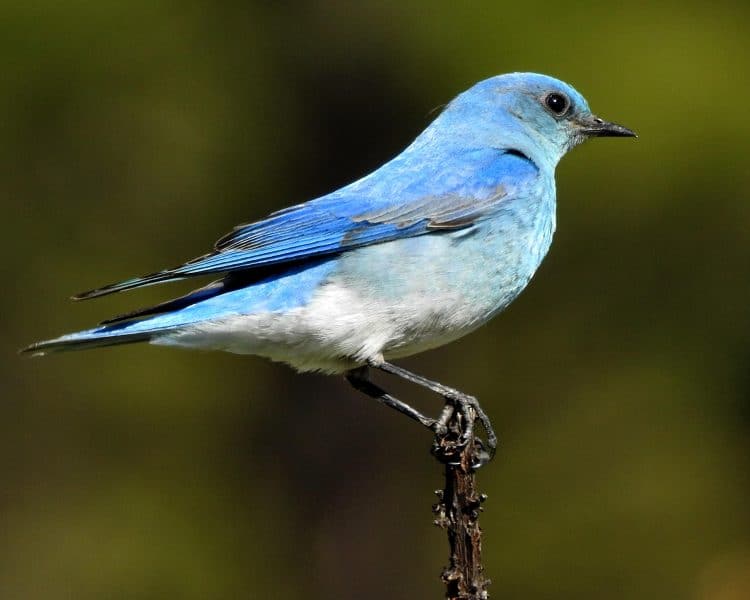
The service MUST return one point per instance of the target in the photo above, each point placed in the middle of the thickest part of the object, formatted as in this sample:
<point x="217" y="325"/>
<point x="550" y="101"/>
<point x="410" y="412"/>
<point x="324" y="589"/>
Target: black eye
<point x="557" y="103"/>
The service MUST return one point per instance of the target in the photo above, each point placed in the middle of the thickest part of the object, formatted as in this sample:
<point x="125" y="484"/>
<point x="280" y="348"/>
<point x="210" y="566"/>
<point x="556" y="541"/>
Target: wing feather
<point x="342" y="221"/>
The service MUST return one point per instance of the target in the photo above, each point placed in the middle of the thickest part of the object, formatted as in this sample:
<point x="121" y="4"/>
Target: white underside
<point x="336" y="331"/>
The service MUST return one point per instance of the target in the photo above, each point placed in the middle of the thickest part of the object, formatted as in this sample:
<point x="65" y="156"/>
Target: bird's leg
<point x="464" y="403"/>
<point x="359" y="379"/>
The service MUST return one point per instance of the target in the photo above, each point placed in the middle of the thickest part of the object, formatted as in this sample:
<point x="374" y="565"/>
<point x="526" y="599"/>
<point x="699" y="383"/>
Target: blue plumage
<point x="419" y="252"/>
<point x="361" y="214"/>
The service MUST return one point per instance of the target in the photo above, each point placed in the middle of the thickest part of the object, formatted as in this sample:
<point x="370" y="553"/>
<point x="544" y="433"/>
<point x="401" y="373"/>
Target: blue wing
<point x="394" y="202"/>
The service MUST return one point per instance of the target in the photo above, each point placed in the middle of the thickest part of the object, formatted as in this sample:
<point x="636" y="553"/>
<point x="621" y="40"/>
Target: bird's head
<point x="539" y="116"/>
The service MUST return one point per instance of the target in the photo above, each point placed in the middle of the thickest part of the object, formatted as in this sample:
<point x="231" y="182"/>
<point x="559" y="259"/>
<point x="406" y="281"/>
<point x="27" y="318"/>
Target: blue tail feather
<point x="221" y="299"/>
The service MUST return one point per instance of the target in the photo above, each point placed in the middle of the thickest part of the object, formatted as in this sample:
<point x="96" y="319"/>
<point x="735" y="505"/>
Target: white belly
<point x="338" y="330"/>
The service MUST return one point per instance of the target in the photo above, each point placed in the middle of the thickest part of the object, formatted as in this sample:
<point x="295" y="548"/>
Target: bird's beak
<point x="593" y="126"/>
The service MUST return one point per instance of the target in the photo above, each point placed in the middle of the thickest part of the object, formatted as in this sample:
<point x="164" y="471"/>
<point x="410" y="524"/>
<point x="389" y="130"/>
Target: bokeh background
<point x="134" y="134"/>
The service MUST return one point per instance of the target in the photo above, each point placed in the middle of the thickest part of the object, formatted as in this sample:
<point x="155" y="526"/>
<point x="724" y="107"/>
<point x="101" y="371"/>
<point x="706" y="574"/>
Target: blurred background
<point x="134" y="134"/>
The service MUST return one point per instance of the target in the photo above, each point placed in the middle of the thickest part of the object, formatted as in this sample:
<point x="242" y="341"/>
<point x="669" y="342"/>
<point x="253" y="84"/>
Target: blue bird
<point x="416" y="254"/>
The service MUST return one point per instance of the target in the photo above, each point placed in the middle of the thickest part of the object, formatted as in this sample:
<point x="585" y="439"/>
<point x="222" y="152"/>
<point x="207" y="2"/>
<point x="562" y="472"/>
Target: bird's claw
<point x="440" y="425"/>
<point x="469" y="407"/>
<point x="454" y="430"/>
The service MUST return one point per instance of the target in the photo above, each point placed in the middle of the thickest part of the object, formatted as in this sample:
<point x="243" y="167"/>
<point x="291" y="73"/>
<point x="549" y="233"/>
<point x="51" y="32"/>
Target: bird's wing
<point x="333" y="224"/>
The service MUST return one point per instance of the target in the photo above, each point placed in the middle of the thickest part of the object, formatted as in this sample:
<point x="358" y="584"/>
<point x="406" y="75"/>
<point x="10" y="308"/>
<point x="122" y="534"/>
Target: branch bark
<point x="458" y="509"/>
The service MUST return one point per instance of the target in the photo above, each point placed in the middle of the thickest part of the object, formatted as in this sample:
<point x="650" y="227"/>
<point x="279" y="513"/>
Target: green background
<point x="132" y="134"/>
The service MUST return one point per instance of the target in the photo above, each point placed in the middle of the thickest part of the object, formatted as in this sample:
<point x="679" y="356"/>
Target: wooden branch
<point x="458" y="509"/>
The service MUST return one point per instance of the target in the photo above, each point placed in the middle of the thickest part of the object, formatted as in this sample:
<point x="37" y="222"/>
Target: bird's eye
<point x="557" y="103"/>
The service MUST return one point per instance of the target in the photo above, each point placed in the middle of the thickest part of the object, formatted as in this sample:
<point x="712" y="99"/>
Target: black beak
<point x="596" y="127"/>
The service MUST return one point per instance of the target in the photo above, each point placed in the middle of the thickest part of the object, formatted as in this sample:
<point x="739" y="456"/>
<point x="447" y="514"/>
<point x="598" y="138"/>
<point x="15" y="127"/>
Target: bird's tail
<point x="137" y="326"/>
<point x="105" y="335"/>
<point x="236" y="294"/>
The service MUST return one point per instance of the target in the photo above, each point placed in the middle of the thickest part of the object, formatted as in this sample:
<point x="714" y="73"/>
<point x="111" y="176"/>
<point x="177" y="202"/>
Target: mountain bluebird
<point x="416" y="254"/>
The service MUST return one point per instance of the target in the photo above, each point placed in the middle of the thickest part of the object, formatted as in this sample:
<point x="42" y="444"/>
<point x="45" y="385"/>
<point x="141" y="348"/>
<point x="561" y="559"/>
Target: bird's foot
<point x="454" y="431"/>
<point x="440" y="425"/>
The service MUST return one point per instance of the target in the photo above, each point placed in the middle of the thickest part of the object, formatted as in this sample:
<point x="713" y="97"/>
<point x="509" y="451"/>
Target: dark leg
<point x="359" y="380"/>
<point x="463" y="402"/>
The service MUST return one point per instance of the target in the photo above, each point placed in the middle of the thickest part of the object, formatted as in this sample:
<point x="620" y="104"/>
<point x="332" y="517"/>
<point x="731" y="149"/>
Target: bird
<point x="420" y="252"/>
